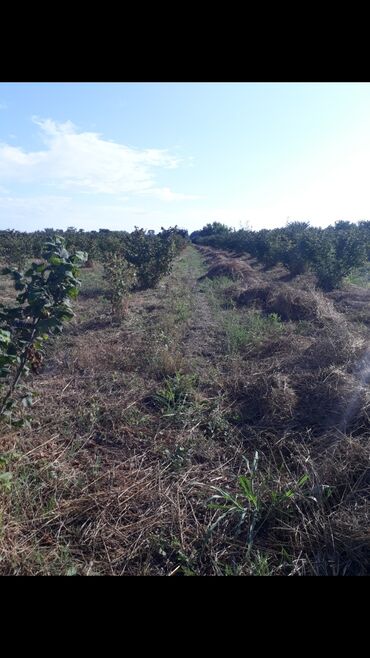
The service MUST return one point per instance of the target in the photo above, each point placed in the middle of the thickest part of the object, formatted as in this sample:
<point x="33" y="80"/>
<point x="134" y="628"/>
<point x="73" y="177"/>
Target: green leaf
<point x="80" y="256"/>
<point x="5" y="336"/>
<point x="71" y="571"/>
<point x="303" y="479"/>
<point x="6" y="480"/>
<point x="247" y="489"/>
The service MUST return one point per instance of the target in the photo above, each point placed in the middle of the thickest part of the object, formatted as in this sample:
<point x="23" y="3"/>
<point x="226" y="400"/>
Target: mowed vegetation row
<point x="214" y="424"/>
<point x="332" y="254"/>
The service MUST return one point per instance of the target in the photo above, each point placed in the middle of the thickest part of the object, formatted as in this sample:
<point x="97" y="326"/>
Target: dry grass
<point x="292" y="304"/>
<point x="354" y="302"/>
<point x="333" y="398"/>
<point x="264" y="398"/>
<point x="107" y="483"/>
<point x="255" y="295"/>
<point x="236" y="270"/>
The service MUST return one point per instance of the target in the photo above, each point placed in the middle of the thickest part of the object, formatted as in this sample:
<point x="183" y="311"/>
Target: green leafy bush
<point x="42" y="306"/>
<point x="120" y="276"/>
<point x="15" y="247"/>
<point x="336" y="254"/>
<point x="151" y="255"/>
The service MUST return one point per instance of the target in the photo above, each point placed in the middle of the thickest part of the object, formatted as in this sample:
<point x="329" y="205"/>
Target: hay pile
<point x="264" y="398"/>
<point x="334" y="344"/>
<point x="229" y="268"/>
<point x="354" y="302"/>
<point x="255" y="295"/>
<point x="332" y="398"/>
<point x="291" y="304"/>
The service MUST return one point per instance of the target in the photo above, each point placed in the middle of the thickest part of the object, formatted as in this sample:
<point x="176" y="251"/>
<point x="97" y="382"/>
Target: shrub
<point x="14" y="248"/>
<point x="151" y="255"/>
<point x="337" y="252"/>
<point x="120" y="276"/>
<point x="297" y="247"/>
<point x="42" y="305"/>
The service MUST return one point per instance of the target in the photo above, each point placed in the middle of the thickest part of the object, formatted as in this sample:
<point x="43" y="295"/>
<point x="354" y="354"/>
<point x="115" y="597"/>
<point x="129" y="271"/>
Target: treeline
<point x="331" y="253"/>
<point x="149" y="253"/>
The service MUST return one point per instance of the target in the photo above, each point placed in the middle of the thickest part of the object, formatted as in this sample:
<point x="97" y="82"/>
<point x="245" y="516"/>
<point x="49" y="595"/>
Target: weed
<point x="360" y="277"/>
<point x="182" y="310"/>
<point x="178" y="457"/>
<point x="175" y="394"/>
<point x="244" y="504"/>
<point x="259" y="565"/>
<point x="249" y="330"/>
<point x="252" y="504"/>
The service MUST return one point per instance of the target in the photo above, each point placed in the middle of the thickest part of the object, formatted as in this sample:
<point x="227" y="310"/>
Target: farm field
<point x="221" y="428"/>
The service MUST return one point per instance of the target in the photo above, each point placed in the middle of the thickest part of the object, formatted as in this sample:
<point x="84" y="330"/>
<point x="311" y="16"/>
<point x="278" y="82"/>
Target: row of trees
<point x="132" y="261"/>
<point x="331" y="253"/>
<point x="16" y="246"/>
<point x="47" y="285"/>
<point x="138" y="261"/>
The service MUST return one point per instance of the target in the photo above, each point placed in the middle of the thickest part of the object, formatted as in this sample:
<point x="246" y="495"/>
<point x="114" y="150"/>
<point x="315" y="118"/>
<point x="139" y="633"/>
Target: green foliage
<point x="296" y="249"/>
<point x="6" y="480"/>
<point x="214" y="229"/>
<point x="364" y="228"/>
<point x="250" y="330"/>
<point x="332" y="253"/>
<point x="177" y="458"/>
<point x="42" y="306"/>
<point x="175" y="394"/>
<point x="360" y="276"/>
<point x="248" y="509"/>
<point x="120" y="276"/>
<point x="242" y="507"/>
<point x="15" y="247"/>
<point x="151" y="255"/>
<point x="337" y="253"/>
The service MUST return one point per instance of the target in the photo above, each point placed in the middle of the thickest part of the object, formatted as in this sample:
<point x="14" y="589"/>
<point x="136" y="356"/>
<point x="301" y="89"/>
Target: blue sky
<point x="116" y="155"/>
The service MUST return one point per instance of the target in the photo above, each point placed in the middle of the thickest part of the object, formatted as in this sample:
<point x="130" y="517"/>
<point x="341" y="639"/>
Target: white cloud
<point x="165" y="194"/>
<point x="85" y="162"/>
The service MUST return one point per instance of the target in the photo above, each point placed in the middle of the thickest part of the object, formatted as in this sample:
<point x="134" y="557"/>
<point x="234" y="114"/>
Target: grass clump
<point x="249" y="330"/>
<point x="175" y="395"/>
